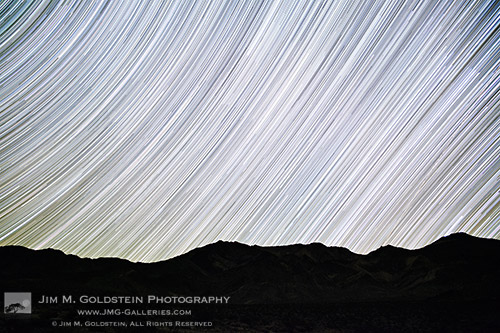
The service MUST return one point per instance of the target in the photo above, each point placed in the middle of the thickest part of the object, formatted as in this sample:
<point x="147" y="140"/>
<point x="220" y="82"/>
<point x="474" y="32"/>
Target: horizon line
<point x="249" y="245"/>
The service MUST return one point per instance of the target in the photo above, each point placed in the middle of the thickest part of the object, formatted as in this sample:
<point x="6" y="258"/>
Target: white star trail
<point x="144" y="129"/>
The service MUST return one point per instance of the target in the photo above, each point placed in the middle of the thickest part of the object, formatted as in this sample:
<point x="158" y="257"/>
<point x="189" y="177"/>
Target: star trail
<point x="144" y="129"/>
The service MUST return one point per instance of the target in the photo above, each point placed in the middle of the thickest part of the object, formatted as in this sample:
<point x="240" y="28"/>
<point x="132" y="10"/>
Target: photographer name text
<point x="150" y="299"/>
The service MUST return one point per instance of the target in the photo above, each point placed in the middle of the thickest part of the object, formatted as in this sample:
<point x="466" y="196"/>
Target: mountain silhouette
<point x="456" y="266"/>
<point x="457" y="269"/>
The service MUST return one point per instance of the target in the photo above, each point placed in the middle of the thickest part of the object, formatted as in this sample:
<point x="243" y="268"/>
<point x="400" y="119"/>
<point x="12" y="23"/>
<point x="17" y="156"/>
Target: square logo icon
<point x="17" y="302"/>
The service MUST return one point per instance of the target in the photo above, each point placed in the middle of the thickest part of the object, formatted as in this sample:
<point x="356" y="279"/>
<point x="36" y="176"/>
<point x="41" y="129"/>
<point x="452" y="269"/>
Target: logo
<point x="17" y="302"/>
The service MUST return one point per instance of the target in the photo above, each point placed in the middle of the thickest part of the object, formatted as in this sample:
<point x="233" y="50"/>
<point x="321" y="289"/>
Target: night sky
<point x="144" y="129"/>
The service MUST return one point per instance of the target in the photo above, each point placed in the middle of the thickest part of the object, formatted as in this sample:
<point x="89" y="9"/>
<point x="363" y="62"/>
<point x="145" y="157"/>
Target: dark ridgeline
<point x="452" y="284"/>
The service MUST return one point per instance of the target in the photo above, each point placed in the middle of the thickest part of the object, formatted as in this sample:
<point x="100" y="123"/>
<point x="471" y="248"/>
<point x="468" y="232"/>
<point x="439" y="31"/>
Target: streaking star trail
<point x="144" y="129"/>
